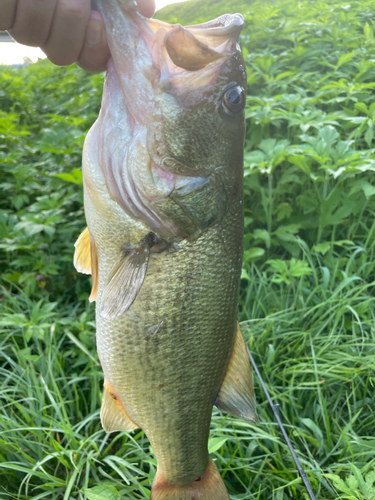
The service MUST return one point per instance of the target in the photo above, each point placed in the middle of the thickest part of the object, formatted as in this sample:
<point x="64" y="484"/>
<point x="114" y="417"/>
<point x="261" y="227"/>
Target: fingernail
<point x="94" y="32"/>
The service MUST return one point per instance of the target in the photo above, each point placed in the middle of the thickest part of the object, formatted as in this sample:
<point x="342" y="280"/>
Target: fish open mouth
<point x="192" y="48"/>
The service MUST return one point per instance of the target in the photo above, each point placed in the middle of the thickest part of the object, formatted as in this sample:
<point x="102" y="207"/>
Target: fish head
<point x="171" y="129"/>
<point x="201" y="94"/>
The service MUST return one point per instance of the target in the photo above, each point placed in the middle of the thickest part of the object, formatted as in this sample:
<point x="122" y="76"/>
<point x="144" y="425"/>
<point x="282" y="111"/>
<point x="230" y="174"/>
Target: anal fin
<point x="236" y="395"/>
<point x="126" y="278"/>
<point x="86" y="259"/>
<point x="113" y="415"/>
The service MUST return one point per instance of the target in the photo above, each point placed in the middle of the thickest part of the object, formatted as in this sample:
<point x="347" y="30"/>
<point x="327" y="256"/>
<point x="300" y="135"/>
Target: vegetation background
<point x="306" y="301"/>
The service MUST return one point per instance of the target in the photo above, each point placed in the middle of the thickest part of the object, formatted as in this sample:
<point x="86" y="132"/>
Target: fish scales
<point x="163" y="203"/>
<point x="164" y="372"/>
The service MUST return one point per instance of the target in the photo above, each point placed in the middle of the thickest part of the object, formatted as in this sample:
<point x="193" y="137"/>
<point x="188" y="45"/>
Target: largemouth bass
<point x="162" y="170"/>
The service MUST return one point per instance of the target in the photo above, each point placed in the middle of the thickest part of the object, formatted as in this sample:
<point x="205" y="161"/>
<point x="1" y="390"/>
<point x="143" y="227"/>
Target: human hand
<point x="67" y="31"/>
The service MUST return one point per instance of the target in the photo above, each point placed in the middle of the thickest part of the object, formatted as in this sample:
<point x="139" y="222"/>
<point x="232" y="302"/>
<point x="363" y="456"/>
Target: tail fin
<point x="209" y="486"/>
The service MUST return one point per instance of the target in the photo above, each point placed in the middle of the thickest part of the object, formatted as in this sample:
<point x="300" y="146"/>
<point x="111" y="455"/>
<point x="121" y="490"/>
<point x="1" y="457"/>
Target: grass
<point x="317" y="359"/>
<point x="307" y="294"/>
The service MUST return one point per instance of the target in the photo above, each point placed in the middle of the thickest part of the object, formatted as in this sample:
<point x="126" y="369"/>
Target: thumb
<point x="95" y="52"/>
<point x="146" y="7"/>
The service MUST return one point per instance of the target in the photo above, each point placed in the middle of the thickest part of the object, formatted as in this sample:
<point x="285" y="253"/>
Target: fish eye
<point x="234" y="99"/>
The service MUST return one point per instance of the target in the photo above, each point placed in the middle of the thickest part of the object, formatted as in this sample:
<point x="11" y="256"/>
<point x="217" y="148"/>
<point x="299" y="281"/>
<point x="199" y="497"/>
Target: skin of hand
<point x="67" y="31"/>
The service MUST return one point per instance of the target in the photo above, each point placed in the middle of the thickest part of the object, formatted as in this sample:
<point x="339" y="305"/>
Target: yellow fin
<point x="94" y="270"/>
<point x="126" y="278"/>
<point x="236" y="395"/>
<point x="82" y="256"/>
<point x="209" y="486"/>
<point x="113" y="415"/>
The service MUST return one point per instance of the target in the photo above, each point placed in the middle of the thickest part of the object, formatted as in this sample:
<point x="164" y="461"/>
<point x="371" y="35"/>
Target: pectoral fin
<point x="82" y="256"/>
<point x="236" y="395"/>
<point x="126" y="278"/>
<point x="86" y="260"/>
<point x="113" y="415"/>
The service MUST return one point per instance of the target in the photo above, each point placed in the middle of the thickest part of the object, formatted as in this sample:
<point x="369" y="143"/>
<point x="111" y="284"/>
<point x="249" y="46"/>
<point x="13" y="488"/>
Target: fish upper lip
<point x="223" y="25"/>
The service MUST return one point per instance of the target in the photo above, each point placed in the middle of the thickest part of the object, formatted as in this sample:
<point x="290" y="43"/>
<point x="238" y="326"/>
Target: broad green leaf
<point x="329" y="134"/>
<point x="253" y="253"/>
<point x="339" y="484"/>
<point x="357" y="480"/>
<point x="300" y="162"/>
<point x="368" y="189"/>
<point x="245" y="275"/>
<point x="79" y="344"/>
<point x="361" y="106"/>
<point x="322" y="247"/>
<point x="368" y="31"/>
<point x="345" y="58"/>
<point x="370" y="478"/>
<point x="102" y="492"/>
<point x="75" y="177"/>
<point x="369" y="135"/>
<point x="284" y="211"/>
<point x="215" y="444"/>
<point x="314" y="428"/>
<point x="299" y="268"/>
<point x="262" y="234"/>
<point x="253" y="158"/>
<point x="287" y="233"/>
<point x="248" y="221"/>
<point x="362" y="185"/>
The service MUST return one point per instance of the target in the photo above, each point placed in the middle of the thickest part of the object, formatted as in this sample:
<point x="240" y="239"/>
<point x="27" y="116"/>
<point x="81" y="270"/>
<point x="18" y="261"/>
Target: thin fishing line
<point x="275" y="410"/>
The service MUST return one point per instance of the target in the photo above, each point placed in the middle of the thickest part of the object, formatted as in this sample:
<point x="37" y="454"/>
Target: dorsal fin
<point x="82" y="256"/>
<point x="86" y="260"/>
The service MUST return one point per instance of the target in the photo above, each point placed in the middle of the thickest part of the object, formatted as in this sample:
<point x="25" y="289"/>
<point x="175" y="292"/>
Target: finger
<point x="8" y="10"/>
<point x="67" y="33"/>
<point x="95" y="52"/>
<point x="33" y="21"/>
<point x="146" y="7"/>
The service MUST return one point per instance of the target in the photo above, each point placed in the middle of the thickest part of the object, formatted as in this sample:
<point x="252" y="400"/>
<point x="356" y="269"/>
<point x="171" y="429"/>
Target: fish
<point x="163" y="199"/>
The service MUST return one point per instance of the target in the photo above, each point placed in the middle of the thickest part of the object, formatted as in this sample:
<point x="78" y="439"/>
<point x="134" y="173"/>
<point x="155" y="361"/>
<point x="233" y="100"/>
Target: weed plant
<point x="307" y="299"/>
